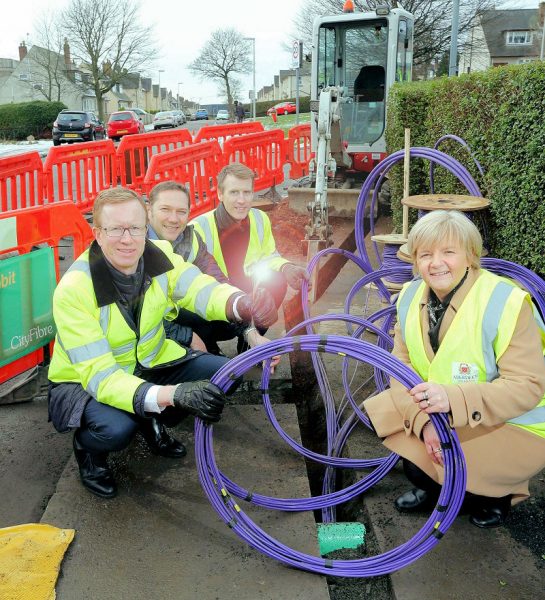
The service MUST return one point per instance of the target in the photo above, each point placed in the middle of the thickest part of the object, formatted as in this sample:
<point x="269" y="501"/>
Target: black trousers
<point x="105" y="428"/>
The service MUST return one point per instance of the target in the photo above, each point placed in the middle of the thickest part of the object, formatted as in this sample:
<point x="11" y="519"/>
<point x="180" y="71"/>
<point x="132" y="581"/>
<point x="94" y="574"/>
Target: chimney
<point x="67" y="59"/>
<point x="22" y="50"/>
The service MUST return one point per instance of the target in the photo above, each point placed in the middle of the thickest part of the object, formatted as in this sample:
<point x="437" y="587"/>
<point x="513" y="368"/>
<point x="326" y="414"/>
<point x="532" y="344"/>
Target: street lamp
<point x="159" y="94"/>
<point x="252" y="39"/>
<point x="178" y="97"/>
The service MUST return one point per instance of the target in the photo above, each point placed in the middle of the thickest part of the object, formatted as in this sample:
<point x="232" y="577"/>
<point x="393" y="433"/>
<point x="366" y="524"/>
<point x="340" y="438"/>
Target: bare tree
<point x="224" y="55"/>
<point x="51" y="76"/>
<point x="432" y="21"/>
<point x="107" y="37"/>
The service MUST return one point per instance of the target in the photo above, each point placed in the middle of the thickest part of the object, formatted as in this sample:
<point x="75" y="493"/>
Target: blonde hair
<point x="446" y="225"/>
<point x="116" y="195"/>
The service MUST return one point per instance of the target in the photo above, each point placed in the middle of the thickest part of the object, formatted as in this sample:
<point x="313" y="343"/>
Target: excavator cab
<point x="361" y="55"/>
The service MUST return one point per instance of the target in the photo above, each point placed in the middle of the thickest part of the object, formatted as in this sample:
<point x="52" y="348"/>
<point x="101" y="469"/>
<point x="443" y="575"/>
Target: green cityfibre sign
<point x="27" y="283"/>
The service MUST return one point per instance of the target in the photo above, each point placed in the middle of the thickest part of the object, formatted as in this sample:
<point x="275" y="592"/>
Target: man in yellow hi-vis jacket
<point x="240" y="238"/>
<point x="113" y="372"/>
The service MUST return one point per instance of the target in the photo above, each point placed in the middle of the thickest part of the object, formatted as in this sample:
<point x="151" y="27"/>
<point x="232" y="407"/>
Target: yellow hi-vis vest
<point x="97" y="348"/>
<point x="261" y="247"/>
<point x="478" y="336"/>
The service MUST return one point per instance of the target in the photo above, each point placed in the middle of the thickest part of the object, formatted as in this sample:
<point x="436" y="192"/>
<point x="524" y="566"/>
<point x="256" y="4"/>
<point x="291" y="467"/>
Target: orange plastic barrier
<point x="135" y="151"/>
<point x="44" y="225"/>
<point x="221" y="133"/>
<point x="21" y="181"/>
<point x="196" y="165"/>
<point x="78" y="172"/>
<point x="298" y="150"/>
<point x="262" y="152"/>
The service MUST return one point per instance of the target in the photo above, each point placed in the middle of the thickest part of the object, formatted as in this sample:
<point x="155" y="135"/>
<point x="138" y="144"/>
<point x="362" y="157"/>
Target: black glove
<point x="295" y="275"/>
<point x="201" y="399"/>
<point x="260" y="308"/>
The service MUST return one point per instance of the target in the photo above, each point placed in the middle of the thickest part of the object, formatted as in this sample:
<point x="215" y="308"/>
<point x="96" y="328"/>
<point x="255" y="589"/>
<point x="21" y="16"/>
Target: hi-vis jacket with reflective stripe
<point x="261" y="248"/>
<point x="478" y="336"/>
<point x="95" y="345"/>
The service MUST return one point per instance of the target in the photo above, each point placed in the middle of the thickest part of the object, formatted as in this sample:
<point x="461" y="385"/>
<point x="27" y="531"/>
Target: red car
<point x="124" y="122"/>
<point x="283" y="108"/>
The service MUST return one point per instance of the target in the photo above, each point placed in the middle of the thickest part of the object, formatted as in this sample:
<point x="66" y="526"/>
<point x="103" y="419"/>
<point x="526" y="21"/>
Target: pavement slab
<point x="160" y="538"/>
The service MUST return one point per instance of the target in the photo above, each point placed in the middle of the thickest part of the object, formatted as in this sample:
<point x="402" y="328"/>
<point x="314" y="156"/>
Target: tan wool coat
<point x="500" y="457"/>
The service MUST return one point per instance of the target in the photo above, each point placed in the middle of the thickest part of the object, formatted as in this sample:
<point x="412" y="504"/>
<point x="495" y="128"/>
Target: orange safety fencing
<point x="135" y="151"/>
<point x="79" y="172"/>
<point x="263" y="152"/>
<point x="298" y="150"/>
<point x="21" y="181"/>
<point x="36" y="226"/>
<point x="196" y="165"/>
<point x="221" y="133"/>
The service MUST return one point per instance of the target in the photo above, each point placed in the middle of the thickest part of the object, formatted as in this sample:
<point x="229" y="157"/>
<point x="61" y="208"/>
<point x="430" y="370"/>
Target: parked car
<point x="124" y="122"/>
<point x="200" y="114"/>
<point x="180" y="117"/>
<point x="164" y="118"/>
<point x="222" y="115"/>
<point x="144" y="116"/>
<point x="283" y="108"/>
<point x="77" y="126"/>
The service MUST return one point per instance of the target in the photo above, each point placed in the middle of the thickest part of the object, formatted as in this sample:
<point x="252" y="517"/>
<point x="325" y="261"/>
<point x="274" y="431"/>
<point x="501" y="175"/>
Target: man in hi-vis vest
<point x="240" y="238"/>
<point x="168" y="214"/>
<point x="113" y="371"/>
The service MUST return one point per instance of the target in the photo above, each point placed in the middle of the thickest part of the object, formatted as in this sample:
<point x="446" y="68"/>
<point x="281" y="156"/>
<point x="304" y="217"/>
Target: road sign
<point x="296" y="54"/>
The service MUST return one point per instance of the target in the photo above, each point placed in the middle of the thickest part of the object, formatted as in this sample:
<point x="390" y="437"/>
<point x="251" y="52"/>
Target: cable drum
<point x="221" y="491"/>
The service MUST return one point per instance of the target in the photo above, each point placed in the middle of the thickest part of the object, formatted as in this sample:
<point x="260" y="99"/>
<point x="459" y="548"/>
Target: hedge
<point x="18" y="121"/>
<point x="500" y="113"/>
<point x="262" y="107"/>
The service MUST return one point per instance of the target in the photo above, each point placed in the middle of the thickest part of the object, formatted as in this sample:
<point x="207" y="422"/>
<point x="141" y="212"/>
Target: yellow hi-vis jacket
<point x="96" y="347"/>
<point x="261" y="247"/>
<point x="477" y="337"/>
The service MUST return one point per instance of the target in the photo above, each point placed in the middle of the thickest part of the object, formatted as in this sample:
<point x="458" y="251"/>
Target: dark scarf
<point x="436" y="312"/>
<point x="234" y="238"/>
<point x="129" y="288"/>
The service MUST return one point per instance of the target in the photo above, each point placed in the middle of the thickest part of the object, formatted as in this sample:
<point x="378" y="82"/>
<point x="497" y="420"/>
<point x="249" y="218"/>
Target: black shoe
<point x="487" y="517"/>
<point x="159" y="441"/>
<point x="413" y="501"/>
<point x="94" y="472"/>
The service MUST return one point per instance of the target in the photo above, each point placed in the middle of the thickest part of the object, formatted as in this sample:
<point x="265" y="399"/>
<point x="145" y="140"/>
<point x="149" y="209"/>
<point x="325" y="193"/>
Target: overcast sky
<point x="182" y="27"/>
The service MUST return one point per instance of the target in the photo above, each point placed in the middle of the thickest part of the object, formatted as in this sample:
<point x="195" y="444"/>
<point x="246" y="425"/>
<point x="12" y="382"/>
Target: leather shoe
<point x="487" y="517"/>
<point x="159" y="441"/>
<point x="413" y="501"/>
<point x="94" y="472"/>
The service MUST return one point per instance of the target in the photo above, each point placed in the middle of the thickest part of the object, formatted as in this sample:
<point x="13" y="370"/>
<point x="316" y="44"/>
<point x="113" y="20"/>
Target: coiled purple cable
<point x="377" y="175"/>
<point x="215" y="485"/>
<point x="451" y="136"/>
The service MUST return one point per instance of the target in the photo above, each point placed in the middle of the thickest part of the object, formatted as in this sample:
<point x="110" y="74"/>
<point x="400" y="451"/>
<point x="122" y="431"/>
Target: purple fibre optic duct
<point x="376" y="176"/>
<point x="464" y="144"/>
<point x="439" y="521"/>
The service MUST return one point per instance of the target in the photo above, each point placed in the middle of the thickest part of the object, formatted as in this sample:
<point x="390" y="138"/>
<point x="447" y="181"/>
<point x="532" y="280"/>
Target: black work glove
<point x="295" y="275"/>
<point x="201" y="399"/>
<point x="260" y="308"/>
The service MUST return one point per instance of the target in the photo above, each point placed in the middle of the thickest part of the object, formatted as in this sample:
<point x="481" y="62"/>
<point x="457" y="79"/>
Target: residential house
<point x="285" y="85"/>
<point x="42" y="74"/>
<point x="503" y="37"/>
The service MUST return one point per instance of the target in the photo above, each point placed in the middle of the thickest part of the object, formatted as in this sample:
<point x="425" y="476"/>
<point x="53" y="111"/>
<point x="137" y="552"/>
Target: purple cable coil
<point x="215" y="484"/>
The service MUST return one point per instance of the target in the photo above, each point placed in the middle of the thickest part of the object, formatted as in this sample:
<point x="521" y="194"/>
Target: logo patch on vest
<point x="464" y="372"/>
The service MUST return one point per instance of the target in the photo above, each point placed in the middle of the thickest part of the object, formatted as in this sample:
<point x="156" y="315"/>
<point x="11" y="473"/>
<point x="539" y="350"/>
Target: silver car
<point x="165" y="118"/>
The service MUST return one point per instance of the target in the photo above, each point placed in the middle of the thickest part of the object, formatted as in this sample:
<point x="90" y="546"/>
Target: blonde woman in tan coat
<point x="478" y="344"/>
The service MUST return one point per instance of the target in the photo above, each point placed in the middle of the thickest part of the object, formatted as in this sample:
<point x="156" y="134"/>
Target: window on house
<point x="24" y="76"/>
<point x="519" y="37"/>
